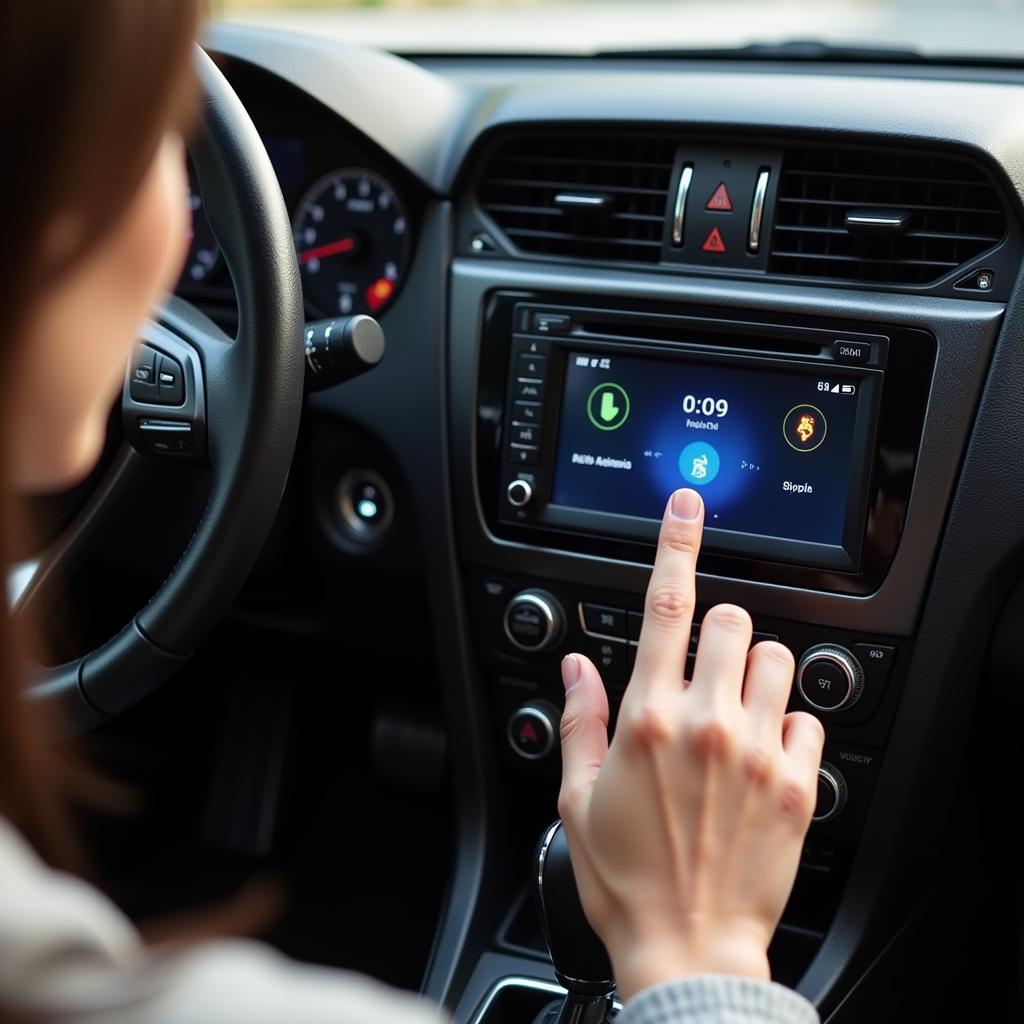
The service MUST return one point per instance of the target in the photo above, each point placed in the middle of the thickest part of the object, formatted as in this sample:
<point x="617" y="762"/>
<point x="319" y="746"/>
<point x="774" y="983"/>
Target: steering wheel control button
<point x="170" y="381"/>
<point x="599" y="620"/>
<point x="532" y="730"/>
<point x="519" y="493"/>
<point x="832" y="793"/>
<point x="142" y="375"/>
<point x="534" y="621"/>
<point x="167" y="437"/>
<point x="829" y="678"/>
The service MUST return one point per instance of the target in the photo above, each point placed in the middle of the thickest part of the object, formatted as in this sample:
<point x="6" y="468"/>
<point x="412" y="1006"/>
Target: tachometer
<point x="350" y="234"/>
<point x="203" y="250"/>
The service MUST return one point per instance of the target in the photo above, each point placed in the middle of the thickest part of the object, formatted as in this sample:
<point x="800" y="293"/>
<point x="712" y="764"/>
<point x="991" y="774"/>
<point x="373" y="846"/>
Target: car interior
<point x="451" y="328"/>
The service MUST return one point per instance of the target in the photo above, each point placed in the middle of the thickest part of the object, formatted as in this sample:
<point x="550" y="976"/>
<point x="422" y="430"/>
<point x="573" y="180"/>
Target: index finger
<point x="671" y="595"/>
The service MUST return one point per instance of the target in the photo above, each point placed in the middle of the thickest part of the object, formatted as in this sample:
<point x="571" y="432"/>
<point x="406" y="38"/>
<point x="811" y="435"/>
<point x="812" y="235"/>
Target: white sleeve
<point x="69" y="956"/>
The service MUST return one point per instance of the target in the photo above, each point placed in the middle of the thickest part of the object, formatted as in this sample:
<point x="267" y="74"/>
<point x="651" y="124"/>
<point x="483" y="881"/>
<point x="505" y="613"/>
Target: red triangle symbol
<point x="527" y="733"/>
<point x="720" y="199"/>
<point x="713" y="243"/>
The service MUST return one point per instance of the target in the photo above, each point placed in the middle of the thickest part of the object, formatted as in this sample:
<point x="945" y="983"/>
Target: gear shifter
<point x="581" y="962"/>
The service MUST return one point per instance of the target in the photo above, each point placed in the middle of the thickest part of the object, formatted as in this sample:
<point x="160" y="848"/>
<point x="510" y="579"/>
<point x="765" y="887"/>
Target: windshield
<point x="931" y="28"/>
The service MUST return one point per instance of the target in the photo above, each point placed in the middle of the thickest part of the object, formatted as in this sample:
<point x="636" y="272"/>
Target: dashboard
<point x="353" y="211"/>
<point x="793" y="287"/>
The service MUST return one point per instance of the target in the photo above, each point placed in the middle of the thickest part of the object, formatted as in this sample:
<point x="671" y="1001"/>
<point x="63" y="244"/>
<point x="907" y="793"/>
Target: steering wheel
<point x="239" y="409"/>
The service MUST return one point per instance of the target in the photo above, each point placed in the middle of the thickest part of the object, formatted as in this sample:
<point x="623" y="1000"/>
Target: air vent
<point x="895" y="218"/>
<point x="585" y="196"/>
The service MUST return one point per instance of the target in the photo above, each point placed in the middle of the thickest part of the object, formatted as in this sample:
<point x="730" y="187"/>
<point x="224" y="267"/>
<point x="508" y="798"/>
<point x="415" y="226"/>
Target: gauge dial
<point x="350" y="234"/>
<point x="203" y="250"/>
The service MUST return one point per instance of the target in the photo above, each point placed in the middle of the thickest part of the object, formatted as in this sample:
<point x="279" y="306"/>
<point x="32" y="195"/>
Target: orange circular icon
<point x="804" y="428"/>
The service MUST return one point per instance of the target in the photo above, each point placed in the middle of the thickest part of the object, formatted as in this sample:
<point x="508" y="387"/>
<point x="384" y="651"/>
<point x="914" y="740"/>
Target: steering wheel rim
<point x="248" y="396"/>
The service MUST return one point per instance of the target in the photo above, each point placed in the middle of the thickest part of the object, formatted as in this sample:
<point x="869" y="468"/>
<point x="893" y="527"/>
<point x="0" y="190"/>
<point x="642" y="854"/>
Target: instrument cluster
<point x="350" y="219"/>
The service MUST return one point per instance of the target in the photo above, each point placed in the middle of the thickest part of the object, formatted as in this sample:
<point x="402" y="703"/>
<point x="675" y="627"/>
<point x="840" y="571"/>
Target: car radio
<point x="606" y="412"/>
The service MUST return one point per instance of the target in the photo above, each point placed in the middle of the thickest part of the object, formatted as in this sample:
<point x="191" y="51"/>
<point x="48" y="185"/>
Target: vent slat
<point x="956" y="215"/>
<point x="524" y="174"/>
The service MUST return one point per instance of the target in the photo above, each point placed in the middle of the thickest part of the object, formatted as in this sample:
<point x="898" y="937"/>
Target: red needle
<point x="321" y="252"/>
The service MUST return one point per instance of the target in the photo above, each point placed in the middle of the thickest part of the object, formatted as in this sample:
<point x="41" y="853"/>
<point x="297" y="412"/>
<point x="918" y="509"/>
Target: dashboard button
<point x="526" y="412"/>
<point x="530" y="390"/>
<point x="857" y="353"/>
<point x="523" y="454"/>
<point x="551" y="323"/>
<point x="875" y="655"/>
<point x="614" y="660"/>
<point x="532" y="730"/>
<point x="603" y="621"/>
<point x="531" y="366"/>
<point x="525" y="433"/>
<point x="519" y="493"/>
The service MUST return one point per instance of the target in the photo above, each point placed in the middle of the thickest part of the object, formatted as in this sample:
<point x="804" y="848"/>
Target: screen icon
<point x="804" y="428"/>
<point x="699" y="463"/>
<point x="608" y="406"/>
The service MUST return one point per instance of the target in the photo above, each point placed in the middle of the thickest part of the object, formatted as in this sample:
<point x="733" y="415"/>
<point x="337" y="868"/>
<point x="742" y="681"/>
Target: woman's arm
<point x="68" y="956"/>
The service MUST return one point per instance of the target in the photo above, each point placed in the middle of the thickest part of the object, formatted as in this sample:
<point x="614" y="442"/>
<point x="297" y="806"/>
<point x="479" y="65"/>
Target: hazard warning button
<point x="720" y="200"/>
<point x="532" y="729"/>
<point x="713" y="243"/>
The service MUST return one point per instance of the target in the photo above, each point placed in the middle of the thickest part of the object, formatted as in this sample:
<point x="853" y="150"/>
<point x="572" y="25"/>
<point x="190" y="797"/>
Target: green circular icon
<point x="608" y="406"/>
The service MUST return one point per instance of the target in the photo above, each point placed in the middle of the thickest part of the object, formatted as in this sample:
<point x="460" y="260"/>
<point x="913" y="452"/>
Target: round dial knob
<point x="519" y="493"/>
<point x="831" y="793"/>
<point x="534" y="620"/>
<point x="533" y="730"/>
<point x="829" y="677"/>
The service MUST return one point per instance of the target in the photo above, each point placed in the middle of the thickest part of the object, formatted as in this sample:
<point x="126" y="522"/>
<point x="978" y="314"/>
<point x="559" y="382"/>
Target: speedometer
<point x="350" y="234"/>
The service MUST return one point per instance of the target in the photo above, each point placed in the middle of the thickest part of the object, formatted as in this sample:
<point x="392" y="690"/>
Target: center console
<point x="805" y="433"/>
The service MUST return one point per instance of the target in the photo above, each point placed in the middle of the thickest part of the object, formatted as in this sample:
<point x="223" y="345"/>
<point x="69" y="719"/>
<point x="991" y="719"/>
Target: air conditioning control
<point x="829" y="678"/>
<point x="831" y="793"/>
<point x="534" y="621"/>
<point x="519" y="493"/>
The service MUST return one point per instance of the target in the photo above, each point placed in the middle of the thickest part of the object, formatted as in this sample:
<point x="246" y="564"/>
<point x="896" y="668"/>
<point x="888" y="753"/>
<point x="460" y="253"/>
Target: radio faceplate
<point x="600" y="414"/>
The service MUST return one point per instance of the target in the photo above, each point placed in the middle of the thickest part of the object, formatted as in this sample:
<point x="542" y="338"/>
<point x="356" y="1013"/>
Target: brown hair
<point x="87" y="91"/>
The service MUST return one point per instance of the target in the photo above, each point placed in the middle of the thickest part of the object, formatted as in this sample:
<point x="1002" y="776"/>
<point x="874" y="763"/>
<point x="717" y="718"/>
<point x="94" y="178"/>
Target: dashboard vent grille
<point x="530" y="184"/>
<point x="953" y="214"/>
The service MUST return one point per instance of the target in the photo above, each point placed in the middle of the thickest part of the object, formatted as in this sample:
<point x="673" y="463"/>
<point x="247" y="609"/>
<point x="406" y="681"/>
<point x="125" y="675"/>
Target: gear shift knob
<point x="579" y="957"/>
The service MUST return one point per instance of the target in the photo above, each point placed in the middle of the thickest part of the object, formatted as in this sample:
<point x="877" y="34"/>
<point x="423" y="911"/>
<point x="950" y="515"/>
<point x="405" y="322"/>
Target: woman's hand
<point x="685" y="833"/>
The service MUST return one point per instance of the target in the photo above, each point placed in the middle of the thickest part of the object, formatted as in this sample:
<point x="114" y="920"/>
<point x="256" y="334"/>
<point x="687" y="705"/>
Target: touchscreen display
<point x="770" y="450"/>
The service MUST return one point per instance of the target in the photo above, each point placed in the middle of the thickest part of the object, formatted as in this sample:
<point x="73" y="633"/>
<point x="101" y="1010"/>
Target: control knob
<point x="519" y="493"/>
<point x="829" y="677"/>
<point x="831" y="793"/>
<point x="534" y="621"/>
